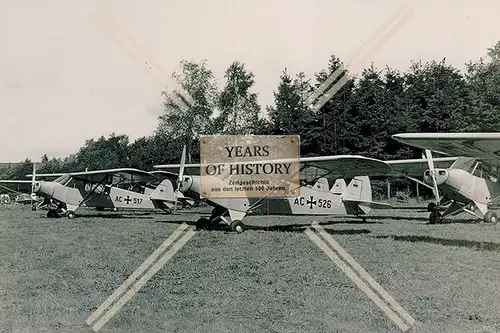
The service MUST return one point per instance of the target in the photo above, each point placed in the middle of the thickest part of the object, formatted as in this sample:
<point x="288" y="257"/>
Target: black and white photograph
<point x="249" y="166"/>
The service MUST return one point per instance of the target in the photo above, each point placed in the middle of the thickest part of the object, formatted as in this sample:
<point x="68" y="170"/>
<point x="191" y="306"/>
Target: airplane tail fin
<point x="359" y="189"/>
<point x="321" y="185"/>
<point x="339" y="187"/>
<point x="359" y="192"/>
<point x="164" y="196"/>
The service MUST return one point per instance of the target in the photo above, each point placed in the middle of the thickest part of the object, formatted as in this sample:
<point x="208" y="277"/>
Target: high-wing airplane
<point x="414" y="169"/>
<point x="470" y="184"/>
<point x="22" y="186"/>
<point x="354" y="199"/>
<point x="113" y="188"/>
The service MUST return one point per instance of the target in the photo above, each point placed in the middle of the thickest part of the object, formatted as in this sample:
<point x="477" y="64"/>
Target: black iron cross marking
<point x="127" y="199"/>
<point x="311" y="202"/>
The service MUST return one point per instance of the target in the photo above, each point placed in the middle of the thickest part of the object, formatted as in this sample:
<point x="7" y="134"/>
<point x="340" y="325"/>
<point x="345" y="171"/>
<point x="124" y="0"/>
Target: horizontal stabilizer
<point x="371" y="204"/>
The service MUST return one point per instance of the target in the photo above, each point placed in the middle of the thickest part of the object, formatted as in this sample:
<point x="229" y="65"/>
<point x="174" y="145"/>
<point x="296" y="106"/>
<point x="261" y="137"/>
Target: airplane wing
<point x="161" y="175"/>
<point x="417" y="167"/>
<point x="107" y="176"/>
<point x="332" y="167"/>
<point x="16" y="185"/>
<point x="15" y="181"/>
<point x="483" y="146"/>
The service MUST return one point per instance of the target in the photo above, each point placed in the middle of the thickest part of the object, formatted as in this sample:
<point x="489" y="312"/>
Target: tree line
<point x="359" y="119"/>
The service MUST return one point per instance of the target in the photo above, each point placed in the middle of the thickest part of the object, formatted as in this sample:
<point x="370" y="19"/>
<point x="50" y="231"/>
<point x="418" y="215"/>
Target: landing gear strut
<point x="54" y="213"/>
<point x="217" y="216"/>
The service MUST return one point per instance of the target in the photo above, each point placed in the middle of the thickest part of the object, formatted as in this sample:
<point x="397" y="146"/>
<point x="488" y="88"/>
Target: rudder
<point x="163" y="194"/>
<point x="359" y="189"/>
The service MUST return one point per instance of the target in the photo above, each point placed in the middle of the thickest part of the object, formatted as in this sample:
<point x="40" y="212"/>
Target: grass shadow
<point x="116" y="216"/>
<point x="476" y="245"/>
<point x="298" y="227"/>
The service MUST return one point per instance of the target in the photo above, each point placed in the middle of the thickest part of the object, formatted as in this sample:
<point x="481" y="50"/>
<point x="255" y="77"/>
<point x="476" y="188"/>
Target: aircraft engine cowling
<point x="441" y="176"/>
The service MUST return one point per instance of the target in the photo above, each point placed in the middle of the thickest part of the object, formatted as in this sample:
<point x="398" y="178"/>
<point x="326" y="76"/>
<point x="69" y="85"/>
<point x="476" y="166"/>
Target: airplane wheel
<point x="202" y="223"/>
<point x="237" y="226"/>
<point x="490" y="217"/>
<point x="51" y="214"/>
<point x="114" y="209"/>
<point x="431" y="207"/>
<point x="70" y="214"/>
<point x="33" y="208"/>
<point x="434" y="217"/>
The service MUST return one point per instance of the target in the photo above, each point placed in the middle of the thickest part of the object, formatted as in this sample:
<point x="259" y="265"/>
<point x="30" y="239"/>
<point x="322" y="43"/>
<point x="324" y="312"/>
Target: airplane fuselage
<point x="460" y="185"/>
<point x="309" y="202"/>
<point x="100" y="197"/>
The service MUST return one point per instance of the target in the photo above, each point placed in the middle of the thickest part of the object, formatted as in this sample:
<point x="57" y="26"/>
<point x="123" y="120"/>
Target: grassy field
<point x="272" y="278"/>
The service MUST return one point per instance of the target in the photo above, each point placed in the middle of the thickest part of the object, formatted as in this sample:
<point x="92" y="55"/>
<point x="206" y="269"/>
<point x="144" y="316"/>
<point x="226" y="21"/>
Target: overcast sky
<point x="65" y="78"/>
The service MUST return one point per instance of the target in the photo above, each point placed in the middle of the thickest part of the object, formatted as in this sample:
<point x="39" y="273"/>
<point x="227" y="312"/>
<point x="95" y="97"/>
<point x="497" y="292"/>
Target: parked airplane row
<point x="468" y="183"/>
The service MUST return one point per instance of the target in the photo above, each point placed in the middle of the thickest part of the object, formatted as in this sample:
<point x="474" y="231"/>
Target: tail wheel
<point x="490" y="217"/>
<point x="70" y="214"/>
<point x="237" y="226"/>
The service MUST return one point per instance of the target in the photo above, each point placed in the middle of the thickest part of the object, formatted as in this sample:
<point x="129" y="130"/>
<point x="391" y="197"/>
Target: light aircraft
<point x="354" y="199"/>
<point x="22" y="185"/>
<point x="112" y="188"/>
<point x="470" y="184"/>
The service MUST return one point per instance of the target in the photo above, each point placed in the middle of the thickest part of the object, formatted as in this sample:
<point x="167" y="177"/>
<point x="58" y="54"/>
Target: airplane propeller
<point x="33" y="179"/>
<point x="432" y="174"/>
<point x="181" y="175"/>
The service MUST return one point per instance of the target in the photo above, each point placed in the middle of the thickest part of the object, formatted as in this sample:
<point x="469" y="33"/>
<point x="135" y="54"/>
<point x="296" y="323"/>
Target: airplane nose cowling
<point x="440" y="174"/>
<point x="186" y="184"/>
<point x="47" y="188"/>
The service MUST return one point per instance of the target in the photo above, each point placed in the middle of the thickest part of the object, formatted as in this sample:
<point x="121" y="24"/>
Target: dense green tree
<point x="436" y="93"/>
<point x="483" y="78"/>
<point x="330" y="131"/>
<point x="187" y="123"/>
<point x="290" y="116"/>
<point x="104" y="153"/>
<point x="238" y="106"/>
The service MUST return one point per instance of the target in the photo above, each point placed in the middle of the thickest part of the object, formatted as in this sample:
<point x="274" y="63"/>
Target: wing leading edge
<point x="484" y="146"/>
